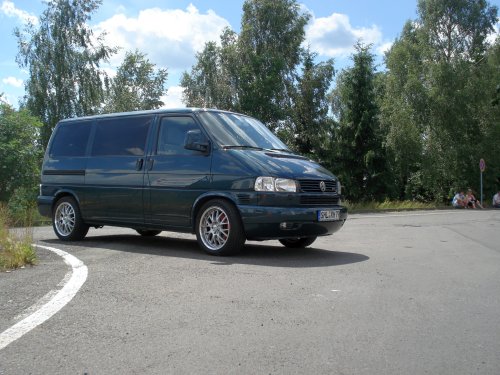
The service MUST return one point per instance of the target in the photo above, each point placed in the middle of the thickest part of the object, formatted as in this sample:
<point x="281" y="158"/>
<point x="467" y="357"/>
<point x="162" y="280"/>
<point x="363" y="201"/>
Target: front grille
<point x="314" y="186"/>
<point x="318" y="200"/>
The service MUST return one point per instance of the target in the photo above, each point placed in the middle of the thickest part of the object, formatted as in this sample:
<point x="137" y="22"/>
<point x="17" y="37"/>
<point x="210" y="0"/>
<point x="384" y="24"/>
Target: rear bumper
<point x="45" y="205"/>
<point x="263" y="223"/>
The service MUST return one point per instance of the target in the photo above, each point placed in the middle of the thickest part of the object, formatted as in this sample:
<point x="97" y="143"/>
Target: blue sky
<point x="171" y="31"/>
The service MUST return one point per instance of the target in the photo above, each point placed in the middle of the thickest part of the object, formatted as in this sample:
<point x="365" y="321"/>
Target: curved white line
<point x="79" y="275"/>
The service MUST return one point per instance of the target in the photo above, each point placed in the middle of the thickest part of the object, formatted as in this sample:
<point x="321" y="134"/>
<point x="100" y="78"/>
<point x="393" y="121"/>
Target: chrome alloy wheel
<point x="214" y="228"/>
<point x="65" y="219"/>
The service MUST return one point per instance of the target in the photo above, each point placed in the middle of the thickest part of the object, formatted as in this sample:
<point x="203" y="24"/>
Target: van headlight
<point x="339" y="188"/>
<point x="275" y="184"/>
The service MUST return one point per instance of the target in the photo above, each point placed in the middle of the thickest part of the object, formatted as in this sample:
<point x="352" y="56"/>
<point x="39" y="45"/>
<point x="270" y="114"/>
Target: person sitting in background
<point x="459" y="200"/>
<point x="471" y="201"/>
<point x="496" y="200"/>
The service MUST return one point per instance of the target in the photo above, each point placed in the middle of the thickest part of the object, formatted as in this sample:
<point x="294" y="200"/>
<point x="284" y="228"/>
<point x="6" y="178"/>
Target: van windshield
<point x="230" y="130"/>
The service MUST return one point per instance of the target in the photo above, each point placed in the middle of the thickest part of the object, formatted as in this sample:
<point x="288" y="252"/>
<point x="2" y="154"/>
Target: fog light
<point x="289" y="226"/>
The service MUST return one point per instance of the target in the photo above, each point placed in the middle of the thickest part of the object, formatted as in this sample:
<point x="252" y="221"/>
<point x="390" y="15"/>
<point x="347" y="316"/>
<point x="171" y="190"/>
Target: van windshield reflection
<point x="231" y="130"/>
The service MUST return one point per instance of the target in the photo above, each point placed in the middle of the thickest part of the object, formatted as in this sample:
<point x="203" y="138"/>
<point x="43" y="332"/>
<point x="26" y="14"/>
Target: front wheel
<point x="67" y="220"/>
<point x="218" y="228"/>
<point x="297" y="242"/>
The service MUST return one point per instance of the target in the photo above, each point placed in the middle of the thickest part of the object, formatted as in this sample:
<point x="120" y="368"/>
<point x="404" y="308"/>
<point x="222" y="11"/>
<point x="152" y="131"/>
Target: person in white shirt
<point x="496" y="200"/>
<point x="459" y="200"/>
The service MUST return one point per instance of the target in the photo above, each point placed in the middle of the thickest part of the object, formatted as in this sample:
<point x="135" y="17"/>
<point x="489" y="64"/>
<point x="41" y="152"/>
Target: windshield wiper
<point x="227" y="147"/>
<point x="282" y="149"/>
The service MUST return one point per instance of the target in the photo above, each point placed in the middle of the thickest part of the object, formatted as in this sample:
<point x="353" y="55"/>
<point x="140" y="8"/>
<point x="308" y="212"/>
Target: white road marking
<point x="335" y="290"/>
<point x="42" y="301"/>
<point x="78" y="276"/>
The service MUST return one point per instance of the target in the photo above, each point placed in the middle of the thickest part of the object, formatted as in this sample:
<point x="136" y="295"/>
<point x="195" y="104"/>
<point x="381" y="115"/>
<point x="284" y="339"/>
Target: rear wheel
<point x="147" y="232"/>
<point x="67" y="220"/>
<point x="297" y="242"/>
<point x="218" y="228"/>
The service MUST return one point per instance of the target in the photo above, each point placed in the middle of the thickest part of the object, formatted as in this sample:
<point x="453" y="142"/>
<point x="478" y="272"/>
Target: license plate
<point x="328" y="215"/>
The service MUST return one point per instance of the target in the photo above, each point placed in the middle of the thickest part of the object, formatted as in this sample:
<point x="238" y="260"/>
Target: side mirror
<point x="196" y="141"/>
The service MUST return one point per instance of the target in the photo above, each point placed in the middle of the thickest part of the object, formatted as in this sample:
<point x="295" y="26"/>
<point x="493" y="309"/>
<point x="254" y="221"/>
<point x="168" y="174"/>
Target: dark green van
<point x="221" y="175"/>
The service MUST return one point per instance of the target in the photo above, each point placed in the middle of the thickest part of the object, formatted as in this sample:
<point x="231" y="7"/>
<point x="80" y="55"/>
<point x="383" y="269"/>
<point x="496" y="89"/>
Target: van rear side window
<point x="121" y="136"/>
<point x="71" y="139"/>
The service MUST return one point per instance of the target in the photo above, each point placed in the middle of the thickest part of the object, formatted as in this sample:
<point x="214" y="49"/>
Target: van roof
<point x="148" y="112"/>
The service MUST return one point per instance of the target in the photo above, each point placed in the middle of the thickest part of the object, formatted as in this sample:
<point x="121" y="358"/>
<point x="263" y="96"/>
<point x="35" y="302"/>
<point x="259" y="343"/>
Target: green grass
<point x="390" y="206"/>
<point x="25" y="214"/>
<point x="15" y="245"/>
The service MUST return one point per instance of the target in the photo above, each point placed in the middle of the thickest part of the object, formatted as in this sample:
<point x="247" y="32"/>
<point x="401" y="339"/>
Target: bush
<point x="22" y="207"/>
<point x="20" y="151"/>
<point x="388" y="205"/>
<point x="15" y="247"/>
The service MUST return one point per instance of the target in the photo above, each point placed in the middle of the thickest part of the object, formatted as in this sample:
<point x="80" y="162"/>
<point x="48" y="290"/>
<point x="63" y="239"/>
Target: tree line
<point x="414" y="130"/>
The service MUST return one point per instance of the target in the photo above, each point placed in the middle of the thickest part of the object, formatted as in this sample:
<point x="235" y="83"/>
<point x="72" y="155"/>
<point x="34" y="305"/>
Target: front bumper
<point x="263" y="223"/>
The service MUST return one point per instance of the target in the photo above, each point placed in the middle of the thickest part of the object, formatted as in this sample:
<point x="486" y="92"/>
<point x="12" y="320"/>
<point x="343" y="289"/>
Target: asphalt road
<point x="401" y="293"/>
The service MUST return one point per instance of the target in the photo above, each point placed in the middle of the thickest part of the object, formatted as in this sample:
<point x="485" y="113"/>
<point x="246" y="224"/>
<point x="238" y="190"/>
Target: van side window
<point x="172" y="136"/>
<point x="121" y="136"/>
<point x="71" y="139"/>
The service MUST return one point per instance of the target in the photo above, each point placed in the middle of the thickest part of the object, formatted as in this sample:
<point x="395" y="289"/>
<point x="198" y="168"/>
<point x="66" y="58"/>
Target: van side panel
<point x="114" y="177"/>
<point x="114" y="190"/>
<point x="176" y="177"/>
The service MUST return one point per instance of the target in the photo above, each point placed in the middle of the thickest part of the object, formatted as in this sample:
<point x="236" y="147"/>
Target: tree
<point x="360" y="155"/>
<point x="63" y="58"/>
<point x="20" y="152"/>
<point x="136" y="86"/>
<point x="213" y="81"/>
<point x="405" y="114"/>
<point x="265" y="72"/>
<point x="253" y="72"/>
<point x="434" y="111"/>
<point x="272" y="32"/>
<point x="256" y="72"/>
<point x="457" y="29"/>
<point x="310" y="110"/>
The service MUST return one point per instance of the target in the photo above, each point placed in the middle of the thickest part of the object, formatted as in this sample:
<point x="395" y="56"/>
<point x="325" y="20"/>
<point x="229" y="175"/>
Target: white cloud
<point x="384" y="47"/>
<point x="13" y="81"/>
<point x="9" y="9"/>
<point x="169" y="37"/>
<point x="8" y="99"/>
<point x="334" y="36"/>
<point x="173" y="99"/>
<point x="491" y="38"/>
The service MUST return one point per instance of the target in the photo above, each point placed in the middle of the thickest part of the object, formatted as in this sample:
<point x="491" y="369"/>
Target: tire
<point x="67" y="220"/>
<point x="218" y="228"/>
<point x="296" y="243"/>
<point x="148" y="232"/>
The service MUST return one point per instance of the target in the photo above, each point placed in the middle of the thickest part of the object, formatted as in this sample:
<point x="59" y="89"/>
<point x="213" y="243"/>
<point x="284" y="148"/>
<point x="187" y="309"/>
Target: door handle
<point x="138" y="164"/>
<point x="150" y="164"/>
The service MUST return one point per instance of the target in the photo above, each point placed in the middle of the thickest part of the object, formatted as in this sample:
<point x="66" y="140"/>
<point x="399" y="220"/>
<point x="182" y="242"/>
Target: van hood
<point x="281" y="164"/>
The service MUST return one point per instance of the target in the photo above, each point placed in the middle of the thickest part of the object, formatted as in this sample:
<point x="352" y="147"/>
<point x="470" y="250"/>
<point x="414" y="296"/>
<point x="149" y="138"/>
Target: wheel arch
<point x="202" y="199"/>
<point x="65" y="193"/>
